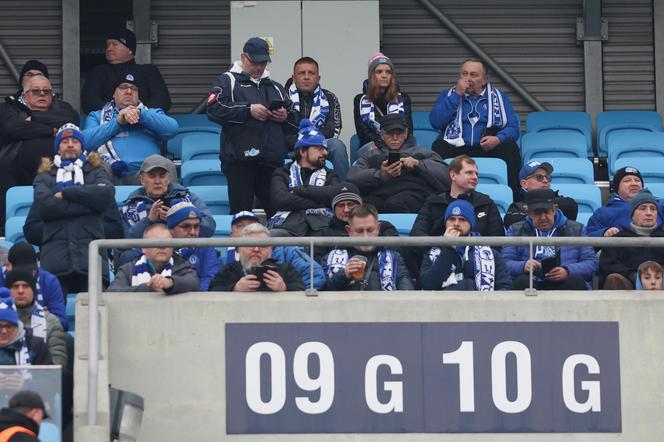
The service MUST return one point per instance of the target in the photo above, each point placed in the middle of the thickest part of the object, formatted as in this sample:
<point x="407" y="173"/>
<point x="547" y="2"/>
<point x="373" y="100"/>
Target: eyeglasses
<point x="188" y="227"/>
<point x="38" y="92"/>
<point x="124" y="87"/>
<point x="7" y="326"/>
<point x="541" y="177"/>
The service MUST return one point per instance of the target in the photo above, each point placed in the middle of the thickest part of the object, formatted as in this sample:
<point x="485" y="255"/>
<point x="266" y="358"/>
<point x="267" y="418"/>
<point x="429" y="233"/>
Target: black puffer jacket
<point x="626" y="260"/>
<point x="10" y="418"/>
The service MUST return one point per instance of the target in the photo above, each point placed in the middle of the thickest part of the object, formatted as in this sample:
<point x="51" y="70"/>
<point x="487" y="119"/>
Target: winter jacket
<point x="230" y="274"/>
<point x="10" y="418"/>
<point x="365" y="133"/>
<point x="135" y="220"/>
<point x="132" y="142"/>
<point x="338" y="281"/>
<point x="517" y="210"/>
<point x="204" y="260"/>
<point x="296" y="257"/>
<point x="331" y="127"/>
<point x="577" y="260"/>
<point x="63" y="227"/>
<point x="51" y="294"/>
<point x="626" y="260"/>
<point x="244" y="138"/>
<point x="100" y="85"/>
<point x="298" y="199"/>
<point x="615" y="213"/>
<point x="445" y="110"/>
<point x="435" y="270"/>
<point x="37" y="349"/>
<point x="56" y="338"/>
<point x="183" y="275"/>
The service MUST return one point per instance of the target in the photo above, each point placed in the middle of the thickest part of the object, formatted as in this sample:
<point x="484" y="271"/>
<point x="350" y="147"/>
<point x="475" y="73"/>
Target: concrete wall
<point x="171" y="350"/>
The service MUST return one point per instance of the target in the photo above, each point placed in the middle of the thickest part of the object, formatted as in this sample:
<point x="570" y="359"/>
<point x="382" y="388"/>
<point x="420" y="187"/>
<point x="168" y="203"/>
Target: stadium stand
<point x="122" y="193"/>
<point x="425" y="137"/>
<point x="633" y="144"/>
<point x="19" y="201"/>
<point x="571" y="170"/>
<point x="587" y="196"/>
<point x="200" y="146"/>
<point x="572" y="121"/>
<point x="501" y="194"/>
<point x="202" y="173"/>
<point x="14" y="229"/>
<point x="651" y="168"/>
<point x="214" y="197"/>
<point x="354" y="147"/>
<point x="223" y="228"/>
<point x="174" y="145"/>
<point x="403" y="222"/>
<point x="421" y="121"/>
<point x="612" y="121"/>
<point x="553" y="143"/>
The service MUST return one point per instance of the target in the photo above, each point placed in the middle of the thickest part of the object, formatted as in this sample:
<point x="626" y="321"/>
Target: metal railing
<point x="95" y="266"/>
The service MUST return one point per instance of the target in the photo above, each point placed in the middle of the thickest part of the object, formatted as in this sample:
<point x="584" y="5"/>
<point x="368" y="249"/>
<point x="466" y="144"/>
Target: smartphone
<point x="276" y="105"/>
<point x="259" y="271"/>
<point x="550" y="263"/>
<point x="393" y="157"/>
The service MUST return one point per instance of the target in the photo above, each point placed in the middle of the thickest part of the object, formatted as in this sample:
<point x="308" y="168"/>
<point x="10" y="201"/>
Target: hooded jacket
<point x="578" y="260"/>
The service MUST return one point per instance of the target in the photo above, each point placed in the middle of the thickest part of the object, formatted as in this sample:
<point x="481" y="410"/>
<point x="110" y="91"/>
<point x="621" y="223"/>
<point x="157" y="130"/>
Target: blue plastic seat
<point x="5" y="244"/>
<point x="202" y="173"/>
<point x="633" y="143"/>
<point x="14" y="229"/>
<point x="657" y="189"/>
<point x="651" y="168"/>
<point x="587" y="196"/>
<point x="553" y="144"/>
<point x="583" y="217"/>
<point x="425" y="138"/>
<point x="122" y="193"/>
<point x="48" y="432"/>
<point x="421" y="121"/>
<point x="214" y="197"/>
<point x="223" y="228"/>
<point x="491" y="170"/>
<point x="354" y="147"/>
<point x="200" y="146"/>
<point x="611" y="121"/>
<point x="403" y="222"/>
<point x="501" y="194"/>
<point x="193" y="120"/>
<point x="174" y="145"/>
<point x="571" y="170"/>
<point x="19" y="200"/>
<point x="562" y="120"/>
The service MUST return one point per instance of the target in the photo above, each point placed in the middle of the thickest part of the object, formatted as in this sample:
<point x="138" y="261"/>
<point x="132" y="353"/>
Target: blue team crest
<point x="456" y="211"/>
<point x="253" y="152"/>
<point x="193" y="259"/>
<point x="129" y="77"/>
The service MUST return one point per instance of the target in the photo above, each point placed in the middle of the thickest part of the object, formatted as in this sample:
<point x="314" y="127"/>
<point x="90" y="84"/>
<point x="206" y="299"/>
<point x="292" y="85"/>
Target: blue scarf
<point x="387" y="266"/>
<point x="484" y="266"/>
<point x="137" y="209"/>
<point x="106" y="151"/>
<point x="70" y="173"/>
<point x="368" y="111"/>
<point x="320" y="108"/>
<point x="497" y="117"/>
<point x="141" y="273"/>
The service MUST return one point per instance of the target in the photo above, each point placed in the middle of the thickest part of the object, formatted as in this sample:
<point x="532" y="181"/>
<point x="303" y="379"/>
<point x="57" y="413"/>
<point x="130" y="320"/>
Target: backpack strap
<point x="8" y="433"/>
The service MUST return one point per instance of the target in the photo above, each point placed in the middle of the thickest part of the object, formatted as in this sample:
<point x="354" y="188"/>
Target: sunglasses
<point x="540" y="177"/>
<point x="38" y="92"/>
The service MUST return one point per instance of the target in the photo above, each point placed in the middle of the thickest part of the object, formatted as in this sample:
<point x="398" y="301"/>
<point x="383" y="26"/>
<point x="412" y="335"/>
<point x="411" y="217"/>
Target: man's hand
<point x="278" y="115"/>
<point x="462" y="85"/>
<point x="58" y="195"/>
<point x="274" y="281"/>
<point x="557" y="274"/>
<point x="248" y="283"/>
<point x="353" y="265"/>
<point x="259" y="112"/>
<point x="611" y="231"/>
<point x="489" y="142"/>
<point x="390" y="171"/>
<point x="160" y="283"/>
<point x="409" y="162"/>
<point x="157" y="211"/>
<point x="531" y="263"/>
<point x="129" y="115"/>
<point x="452" y="232"/>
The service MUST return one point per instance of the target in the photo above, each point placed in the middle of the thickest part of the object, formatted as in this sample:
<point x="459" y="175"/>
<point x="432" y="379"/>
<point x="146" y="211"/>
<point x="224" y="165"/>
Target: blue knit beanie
<point x="181" y="211"/>
<point x="643" y="197"/>
<point x="7" y="310"/>
<point x="67" y="131"/>
<point x="309" y="136"/>
<point x="462" y="208"/>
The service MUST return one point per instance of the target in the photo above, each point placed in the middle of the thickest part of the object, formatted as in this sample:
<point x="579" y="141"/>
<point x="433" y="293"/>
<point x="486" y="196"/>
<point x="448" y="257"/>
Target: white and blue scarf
<point x="368" y="111"/>
<point x="22" y="356"/>
<point x="138" y="208"/>
<point x="496" y="117"/>
<point x="38" y="322"/>
<point x="320" y="108"/>
<point x="106" y="151"/>
<point x="484" y="265"/>
<point x="70" y="173"/>
<point x="387" y="266"/>
<point x="141" y="273"/>
<point x="232" y="255"/>
<point x="317" y="178"/>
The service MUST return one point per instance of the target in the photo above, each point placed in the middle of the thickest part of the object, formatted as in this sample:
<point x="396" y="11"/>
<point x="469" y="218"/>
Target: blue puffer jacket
<point x="580" y="261"/>
<point x="133" y="143"/>
<point x="445" y="110"/>
<point x="295" y="256"/>
<point x="204" y="260"/>
<point x="615" y="213"/>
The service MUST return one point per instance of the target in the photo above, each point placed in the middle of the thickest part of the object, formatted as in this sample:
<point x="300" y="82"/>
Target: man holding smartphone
<point x="554" y="268"/>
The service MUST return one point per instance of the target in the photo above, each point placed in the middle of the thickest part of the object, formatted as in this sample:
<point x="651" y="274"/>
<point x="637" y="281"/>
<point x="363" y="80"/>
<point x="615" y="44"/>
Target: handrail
<point x="8" y="62"/>
<point x="95" y="267"/>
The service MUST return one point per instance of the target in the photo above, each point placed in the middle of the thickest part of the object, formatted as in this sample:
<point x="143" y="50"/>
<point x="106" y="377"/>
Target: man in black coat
<point x="20" y="421"/>
<point x="256" y="271"/>
<point x="101" y="80"/>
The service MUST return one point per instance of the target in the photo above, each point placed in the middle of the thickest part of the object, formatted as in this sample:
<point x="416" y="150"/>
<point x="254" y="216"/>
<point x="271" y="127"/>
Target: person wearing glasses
<point x="536" y="175"/>
<point x="125" y="131"/>
<point x="29" y="125"/>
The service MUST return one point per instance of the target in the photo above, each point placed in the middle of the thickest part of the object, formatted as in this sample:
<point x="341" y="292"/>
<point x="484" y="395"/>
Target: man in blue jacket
<point x="554" y="268"/>
<point x="124" y="132"/>
<point x="477" y="119"/>
<point x="463" y="267"/>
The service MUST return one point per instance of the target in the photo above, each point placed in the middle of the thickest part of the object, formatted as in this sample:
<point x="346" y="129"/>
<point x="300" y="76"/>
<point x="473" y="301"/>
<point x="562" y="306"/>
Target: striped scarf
<point x="387" y="266"/>
<point x="38" y="322"/>
<point x="141" y="273"/>
<point x="106" y="151"/>
<point x="70" y="173"/>
<point x="483" y="262"/>
<point x="368" y="111"/>
<point x="320" y="108"/>
<point x="497" y="117"/>
<point x="22" y="356"/>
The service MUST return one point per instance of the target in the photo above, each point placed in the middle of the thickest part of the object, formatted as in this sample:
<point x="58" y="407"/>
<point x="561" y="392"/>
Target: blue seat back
<point x="123" y="192"/>
<point x="610" y="121"/>
<point x="174" y="145"/>
<point x="491" y="170"/>
<point x="571" y="170"/>
<point x="562" y="120"/>
<point x="354" y="147"/>
<point x="18" y="201"/>
<point x="425" y="138"/>
<point x="202" y="173"/>
<point x="553" y="144"/>
<point x="500" y="194"/>
<point x="214" y="197"/>
<point x="14" y="229"/>
<point x="193" y="120"/>
<point x="657" y="189"/>
<point x="633" y="143"/>
<point x="223" y="228"/>
<point x="587" y="196"/>
<point x="403" y="222"/>
<point x="200" y="146"/>
<point x="652" y="169"/>
<point x="421" y="121"/>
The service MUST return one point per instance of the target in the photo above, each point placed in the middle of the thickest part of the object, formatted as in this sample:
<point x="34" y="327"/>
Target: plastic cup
<point x="359" y="274"/>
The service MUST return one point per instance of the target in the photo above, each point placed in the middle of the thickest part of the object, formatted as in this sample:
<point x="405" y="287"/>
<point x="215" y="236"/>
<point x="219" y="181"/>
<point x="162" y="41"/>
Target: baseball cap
<point x="540" y="199"/>
<point x="257" y="50"/>
<point x="245" y="214"/>
<point x="28" y="399"/>
<point x="530" y="168"/>
<point x="393" y="121"/>
<point x="156" y="162"/>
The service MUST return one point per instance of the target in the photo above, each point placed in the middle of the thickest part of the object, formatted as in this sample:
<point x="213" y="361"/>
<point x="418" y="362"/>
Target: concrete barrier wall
<point x="171" y="350"/>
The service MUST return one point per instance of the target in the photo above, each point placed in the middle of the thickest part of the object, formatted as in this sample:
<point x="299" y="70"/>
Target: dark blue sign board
<point x="422" y="377"/>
